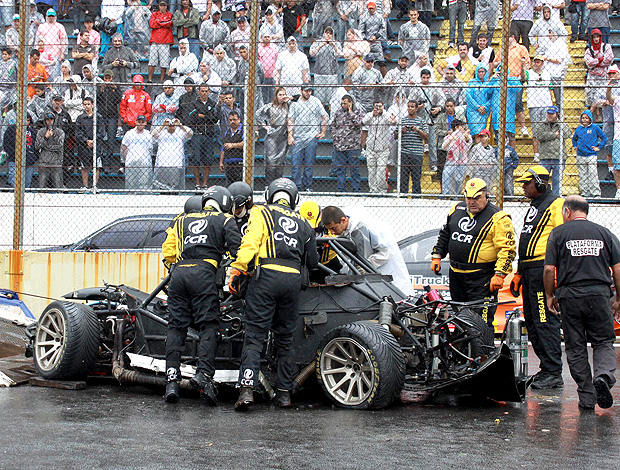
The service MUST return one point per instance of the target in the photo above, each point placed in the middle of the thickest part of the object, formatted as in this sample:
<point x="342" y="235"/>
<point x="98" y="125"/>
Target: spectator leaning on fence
<point x="169" y="171"/>
<point x="231" y="152"/>
<point x="136" y="156"/>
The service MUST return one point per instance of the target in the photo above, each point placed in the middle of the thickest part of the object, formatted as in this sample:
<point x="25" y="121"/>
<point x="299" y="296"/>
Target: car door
<point x="157" y="235"/>
<point x="126" y="235"/>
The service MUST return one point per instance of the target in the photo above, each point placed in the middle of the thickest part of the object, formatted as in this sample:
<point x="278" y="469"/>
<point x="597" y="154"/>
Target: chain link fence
<point x="357" y="113"/>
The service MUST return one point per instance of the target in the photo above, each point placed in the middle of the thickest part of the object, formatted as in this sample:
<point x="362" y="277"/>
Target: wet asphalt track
<point x="112" y="427"/>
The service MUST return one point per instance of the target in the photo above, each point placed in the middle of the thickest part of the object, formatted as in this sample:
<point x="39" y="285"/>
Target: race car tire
<point x="360" y="366"/>
<point x="67" y="340"/>
<point x="483" y="341"/>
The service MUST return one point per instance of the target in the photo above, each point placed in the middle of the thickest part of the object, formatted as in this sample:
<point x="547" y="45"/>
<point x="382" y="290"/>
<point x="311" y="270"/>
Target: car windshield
<point x="124" y="235"/>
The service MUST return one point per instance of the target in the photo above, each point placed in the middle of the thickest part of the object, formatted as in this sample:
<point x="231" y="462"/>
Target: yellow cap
<point x="531" y="174"/>
<point x="474" y="186"/>
<point x="311" y="211"/>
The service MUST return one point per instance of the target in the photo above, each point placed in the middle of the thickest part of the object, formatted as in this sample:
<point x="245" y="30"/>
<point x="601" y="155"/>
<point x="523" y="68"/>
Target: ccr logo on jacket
<point x="289" y="232"/>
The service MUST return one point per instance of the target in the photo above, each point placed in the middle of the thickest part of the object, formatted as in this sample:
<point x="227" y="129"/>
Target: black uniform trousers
<point x="193" y="301"/>
<point x="272" y="303"/>
<point x="589" y="319"/>
<point x="466" y="287"/>
<point x="543" y="327"/>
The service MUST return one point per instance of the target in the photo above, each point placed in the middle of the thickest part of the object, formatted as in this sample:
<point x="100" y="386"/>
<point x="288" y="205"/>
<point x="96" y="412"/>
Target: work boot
<point x="548" y="380"/>
<point x="283" y="399"/>
<point x="204" y="384"/>
<point x="604" y="399"/>
<point x="246" y="399"/>
<point x="172" y="392"/>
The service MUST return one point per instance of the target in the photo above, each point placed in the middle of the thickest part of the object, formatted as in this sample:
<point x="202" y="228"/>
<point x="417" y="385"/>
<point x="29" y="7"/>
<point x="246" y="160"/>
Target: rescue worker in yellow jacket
<point x="280" y="242"/>
<point x="194" y="246"/>
<point x="480" y="239"/>
<point x="311" y="211"/>
<point x="543" y="328"/>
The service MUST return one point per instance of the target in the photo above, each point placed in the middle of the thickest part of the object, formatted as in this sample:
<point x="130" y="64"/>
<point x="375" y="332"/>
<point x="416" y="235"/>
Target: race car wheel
<point x="360" y="365"/>
<point x="483" y="341"/>
<point x="66" y="342"/>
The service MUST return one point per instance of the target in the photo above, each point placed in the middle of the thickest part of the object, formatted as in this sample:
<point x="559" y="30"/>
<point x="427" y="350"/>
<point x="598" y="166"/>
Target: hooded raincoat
<point x="478" y="94"/>
<point x="514" y="85"/>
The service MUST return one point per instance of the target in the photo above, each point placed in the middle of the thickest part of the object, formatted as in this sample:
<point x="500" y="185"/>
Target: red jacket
<point x="134" y="103"/>
<point x="161" y="28"/>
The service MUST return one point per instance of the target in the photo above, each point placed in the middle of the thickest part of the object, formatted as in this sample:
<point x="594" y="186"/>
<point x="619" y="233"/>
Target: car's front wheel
<point x="360" y="365"/>
<point x="67" y="340"/>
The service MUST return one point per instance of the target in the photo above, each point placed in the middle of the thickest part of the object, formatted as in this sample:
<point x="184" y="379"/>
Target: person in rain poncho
<point x="514" y="85"/>
<point x="478" y="100"/>
<point x="274" y="118"/>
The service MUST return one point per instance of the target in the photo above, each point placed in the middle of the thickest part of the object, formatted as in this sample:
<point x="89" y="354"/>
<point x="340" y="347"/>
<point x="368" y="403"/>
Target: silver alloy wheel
<point x="347" y="371"/>
<point x="50" y="339"/>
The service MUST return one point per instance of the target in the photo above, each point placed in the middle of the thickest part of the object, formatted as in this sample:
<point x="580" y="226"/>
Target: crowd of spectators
<point x="325" y="77"/>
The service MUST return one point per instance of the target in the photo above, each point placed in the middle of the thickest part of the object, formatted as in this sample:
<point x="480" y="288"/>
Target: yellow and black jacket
<point x="277" y="238"/>
<point x="205" y="235"/>
<point x="544" y="214"/>
<point x="482" y="241"/>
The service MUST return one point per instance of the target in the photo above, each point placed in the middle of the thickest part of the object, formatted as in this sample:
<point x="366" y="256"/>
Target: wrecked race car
<point x="358" y="338"/>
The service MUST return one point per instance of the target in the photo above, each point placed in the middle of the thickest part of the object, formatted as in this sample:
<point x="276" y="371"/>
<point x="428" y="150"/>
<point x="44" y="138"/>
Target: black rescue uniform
<point x="278" y="240"/>
<point x="196" y="242"/>
<point x="543" y="327"/>
<point x="582" y="253"/>
<point x="479" y="246"/>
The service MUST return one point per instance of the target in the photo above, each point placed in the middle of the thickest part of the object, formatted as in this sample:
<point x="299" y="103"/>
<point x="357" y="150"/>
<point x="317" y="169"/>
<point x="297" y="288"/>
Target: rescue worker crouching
<point x="479" y="237"/>
<point x="280" y="241"/>
<point x="196" y="242"/>
<point x="544" y="214"/>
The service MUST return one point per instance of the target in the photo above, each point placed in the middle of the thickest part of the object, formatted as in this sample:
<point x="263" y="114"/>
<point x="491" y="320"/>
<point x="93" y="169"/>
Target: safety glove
<point x="436" y="265"/>
<point x="238" y="282"/>
<point x="497" y="281"/>
<point x="515" y="285"/>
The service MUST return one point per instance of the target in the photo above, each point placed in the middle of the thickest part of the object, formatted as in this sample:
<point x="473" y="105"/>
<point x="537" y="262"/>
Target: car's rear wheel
<point x="360" y="365"/>
<point x="482" y="342"/>
<point x="66" y="341"/>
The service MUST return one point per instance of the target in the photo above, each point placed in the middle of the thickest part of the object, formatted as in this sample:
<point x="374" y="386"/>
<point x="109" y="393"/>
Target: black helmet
<point x="241" y="193"/>
<point x="282" y="185"/>
<point x="219" y="198"/>
<point x="193" y="204"/>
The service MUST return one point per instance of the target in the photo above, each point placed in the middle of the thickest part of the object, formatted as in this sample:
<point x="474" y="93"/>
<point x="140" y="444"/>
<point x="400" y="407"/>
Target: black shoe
<point x="204" y="384"/>
<point x="548" y="380"/>
<point x="283" y="399"/>
<point x="172" y="392"/>
<point x="584" y="407"/>
<point x="604" y="399"/>
<point x="246" y="399"/>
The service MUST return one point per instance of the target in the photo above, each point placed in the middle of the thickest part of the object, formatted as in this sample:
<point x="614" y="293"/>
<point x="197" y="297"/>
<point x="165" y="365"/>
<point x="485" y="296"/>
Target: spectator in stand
<point x="457" y="12"/>
<point x="49" y="145"/>
<point x="273" y="117"/>
<point x="376" y="142"/>
<point x="226" y="105"/>
<point x="348" y="17"/>
<point x="613" y="98"/>
<point x="457" y="144"/>
<point x="214" y="31"/>
<point x="183" y="65"/>
<point x="205" y="75"/>
<point x="65" y="75"/>
<point x="373" y="28"/>
<point x="36" y="72"/>
<point x="85" y="139"/>
<point x="294" y="18"/>
<point x="422" y="63"/>
<point x="224" y="66"/>
<point x="514" y="93"/>
<point x="241" y="35"/>
<point x="113" y="10"/>
<point x="452" y="87"/>
<point x="54" y="35"/>
<point x="292" y="68"/>
<point x="479" y="103"/>
<point x="482" y="52"/>
<point x="137" y="156"/>
<point x="272" y="28"/>
<point x="12" y="35"/>
<point x="539" y="34"/>
<point x="161" y="40"/>
<point x="414" y="37"/>
<point x="598" y="57"/>
<point x="137" y="31"/>
<point x="241" y="80"/>
<point x="39" y="103"/>
<point x="169" y="171"/>
<point x="8" y="78"/>
<point x="539" y="97"/>
<point x="368" y="78"/>
<point x="36" y="19"/>
<point x="267" y="56"/>
<point x="94" y="38"/>
<point x="579" y="20"/>
<point x="165" y="105"/>
<point x="465" y="66"/>
<point x="414" y="135"/>
<point x="346" y="130"/>
<point x="354" y="50"/>
<point x="558" y="60"/>
<point x="486" y="11"/>
<point x="307" y="124"/>
<point x="74" y="97"/>
<point x="322" y="17"/>
<point x="425" y="8"/>
<point x="231" y="153"/>
<point x="28" y="161"/>
<point x="523" y="18"/>
<point x="334" y="101"/>
<point x="326" y="52"/>
<point x="203" y="121"/>
<point x="397" y="111"/>
<point x="89" y="80"/>
<point x="588" y="139"/>
<point x="398" y="79"/>
<point x="443" y="126"/>
<point x="186" y="101"/>
<point x="511" y="162"/>
<point x="135" y="102"/>
<point x="551" y="136"/>
<point x="430" y="102"/>
<point x="62" y="120"/>
<point x="556" y="6"/>
<point x="599" y="17"/>
<point x="109" y="97"/>
<point x="83" y="13"/>
<point x="121" y="60"/>
<point x="483" y="162"/>
<point x="186" y="20"/>
<point x="83" y="53"/>
<point x="48" y="60"/>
